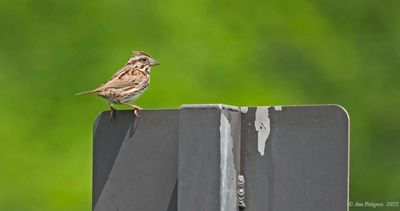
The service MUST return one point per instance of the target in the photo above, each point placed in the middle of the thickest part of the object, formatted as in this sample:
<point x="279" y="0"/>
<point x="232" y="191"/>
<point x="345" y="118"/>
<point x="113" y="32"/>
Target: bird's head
<point x="142" y="61"/>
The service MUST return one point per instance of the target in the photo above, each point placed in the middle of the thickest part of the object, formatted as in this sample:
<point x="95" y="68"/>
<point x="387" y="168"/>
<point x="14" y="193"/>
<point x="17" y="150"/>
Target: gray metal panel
<point x="135" y="161"/>
<point x="198" y="167"/>
<point x="305" y="165"/>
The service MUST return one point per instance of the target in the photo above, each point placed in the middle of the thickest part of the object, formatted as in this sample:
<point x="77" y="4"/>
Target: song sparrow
<point x="128" y="83"/>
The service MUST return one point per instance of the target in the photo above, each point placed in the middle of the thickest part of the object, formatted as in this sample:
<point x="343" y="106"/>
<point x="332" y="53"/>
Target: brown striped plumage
<point x="128" y="83"/>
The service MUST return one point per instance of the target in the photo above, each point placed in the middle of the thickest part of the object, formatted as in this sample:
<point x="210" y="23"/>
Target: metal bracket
<point x="241" y="191"/>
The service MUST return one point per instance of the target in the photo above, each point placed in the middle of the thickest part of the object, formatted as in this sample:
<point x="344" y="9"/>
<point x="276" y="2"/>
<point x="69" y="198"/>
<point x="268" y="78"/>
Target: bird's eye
<point x="144" y="59"/>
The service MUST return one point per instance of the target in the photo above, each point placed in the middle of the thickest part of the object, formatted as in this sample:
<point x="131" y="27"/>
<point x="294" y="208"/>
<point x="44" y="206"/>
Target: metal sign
<point x="218" y="157"/>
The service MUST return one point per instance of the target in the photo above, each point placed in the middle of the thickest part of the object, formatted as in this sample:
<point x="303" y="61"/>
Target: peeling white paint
<point x="278" y="108"/>
<point x="262" y="125"/>
<point x="227" y="168"/>
<point x="244" y="109"/>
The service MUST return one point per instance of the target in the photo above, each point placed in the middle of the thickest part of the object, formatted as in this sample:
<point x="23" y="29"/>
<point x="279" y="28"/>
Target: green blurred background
<point x="254" y="52"/>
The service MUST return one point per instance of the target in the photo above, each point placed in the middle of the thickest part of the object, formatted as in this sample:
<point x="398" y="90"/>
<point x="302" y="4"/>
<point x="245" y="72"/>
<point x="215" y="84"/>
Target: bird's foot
<point x="135" y="113"/>
<point x="112" y="113"/>
<point x="135" y="109"/>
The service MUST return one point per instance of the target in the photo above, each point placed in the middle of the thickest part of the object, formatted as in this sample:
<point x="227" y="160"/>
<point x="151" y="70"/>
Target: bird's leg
<point x="112" y="112"/>
<point x="135" y="108"/>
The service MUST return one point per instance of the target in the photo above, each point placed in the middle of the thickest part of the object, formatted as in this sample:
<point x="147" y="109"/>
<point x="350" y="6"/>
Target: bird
<point x="128" y="83"/>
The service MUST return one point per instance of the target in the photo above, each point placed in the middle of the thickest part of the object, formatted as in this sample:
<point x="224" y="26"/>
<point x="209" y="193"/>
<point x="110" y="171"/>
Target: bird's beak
<point x="153" y="62"/>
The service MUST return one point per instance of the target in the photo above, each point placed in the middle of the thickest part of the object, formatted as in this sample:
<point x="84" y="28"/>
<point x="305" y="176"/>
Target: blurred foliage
<point x="241" y="53"/>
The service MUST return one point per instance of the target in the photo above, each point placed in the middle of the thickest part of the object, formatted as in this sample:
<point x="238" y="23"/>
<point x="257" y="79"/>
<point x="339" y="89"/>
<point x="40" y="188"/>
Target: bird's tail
<point x="87" y="92"/>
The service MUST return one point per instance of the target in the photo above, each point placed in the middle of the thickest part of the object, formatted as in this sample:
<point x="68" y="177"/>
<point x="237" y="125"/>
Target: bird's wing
<point x="117" y="84"/>
<point x="126" y="77"/>
<point x="124" y="68"/>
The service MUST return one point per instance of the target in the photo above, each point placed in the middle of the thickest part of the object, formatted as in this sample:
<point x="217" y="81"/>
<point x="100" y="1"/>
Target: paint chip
<point x="262" y="126"/>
